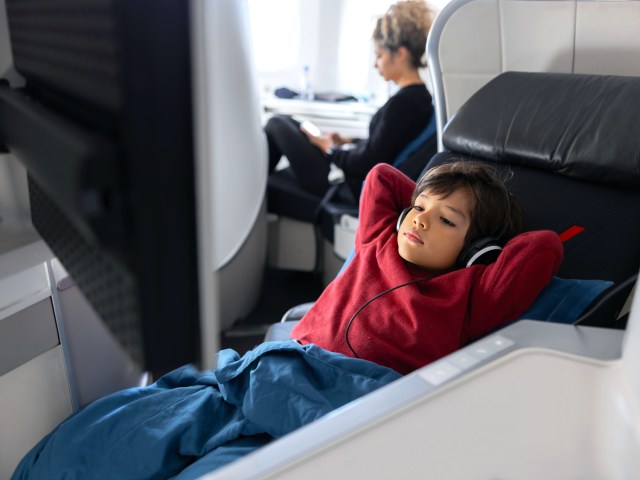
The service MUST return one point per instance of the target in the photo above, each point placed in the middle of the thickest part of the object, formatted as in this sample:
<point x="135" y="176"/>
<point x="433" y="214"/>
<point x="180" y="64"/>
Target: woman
<point x="400" y="39"/>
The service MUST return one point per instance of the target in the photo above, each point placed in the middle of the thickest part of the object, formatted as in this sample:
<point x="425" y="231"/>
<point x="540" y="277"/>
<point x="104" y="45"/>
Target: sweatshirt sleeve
<point x="508" y="287"/>
<point x="386" y="192"/>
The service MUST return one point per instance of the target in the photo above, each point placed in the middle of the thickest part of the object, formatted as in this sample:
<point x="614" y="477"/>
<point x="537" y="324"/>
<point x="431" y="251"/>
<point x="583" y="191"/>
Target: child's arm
<point x="508" y="287"/>
<point x="386" y="192"/>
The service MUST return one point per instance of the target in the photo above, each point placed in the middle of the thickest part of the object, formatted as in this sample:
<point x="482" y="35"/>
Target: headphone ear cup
<point x="480" y="252"/>
<point x="403" y="214"/>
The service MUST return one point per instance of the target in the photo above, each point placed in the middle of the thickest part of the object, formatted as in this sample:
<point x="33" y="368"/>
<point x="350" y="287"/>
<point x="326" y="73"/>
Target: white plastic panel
<point x="535" y="400"/>
<point x="473" y="41"/>
<point x="460" y="86"/>
<point x="27" y="334"/>
<point x="231" y="163"/>
<point x="245" y="270"/>
<point x="344" y="235"/>
<point x="537" y="36"/>
<point x="34" y="398"/>
<point x="292" y="244"/>
<point x="349" y="119"/>
<point x="530" y="415"/>
<point x="23" y="289"/>
<point x="236" y="145"/>
<point x="484" y="38"/>
<point x="467" y="65"/>
<point x="608" y="37"/>
<point x="631" y="348"/>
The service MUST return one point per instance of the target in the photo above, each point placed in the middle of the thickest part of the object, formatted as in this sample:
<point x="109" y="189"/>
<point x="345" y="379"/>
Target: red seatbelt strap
<point x="571" y="232"/>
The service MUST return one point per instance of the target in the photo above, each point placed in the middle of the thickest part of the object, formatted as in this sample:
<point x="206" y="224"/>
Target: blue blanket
<point x="191" y="422"/>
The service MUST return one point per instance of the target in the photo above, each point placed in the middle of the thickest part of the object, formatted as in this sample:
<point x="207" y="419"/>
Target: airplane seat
<point x="303" y="225"/>
<point x="570" y="145"/>
<point x="473" y="41"/>
<point x="294" y="219"/>
<point x="231" y="112"/>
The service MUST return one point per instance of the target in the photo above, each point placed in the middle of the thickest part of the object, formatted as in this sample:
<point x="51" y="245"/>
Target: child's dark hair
<point x="494" y="211"/>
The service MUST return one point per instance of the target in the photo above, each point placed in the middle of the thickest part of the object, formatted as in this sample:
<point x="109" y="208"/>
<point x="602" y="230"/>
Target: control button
<point x="439" y="372"/>
<point x="462" y="359"/>
<point x="489" y="346"/>
<point x="480" y="351"/>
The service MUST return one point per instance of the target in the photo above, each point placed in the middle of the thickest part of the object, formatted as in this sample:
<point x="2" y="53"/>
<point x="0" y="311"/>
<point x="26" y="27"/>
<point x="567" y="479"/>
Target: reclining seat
<point x="571" y="144"/>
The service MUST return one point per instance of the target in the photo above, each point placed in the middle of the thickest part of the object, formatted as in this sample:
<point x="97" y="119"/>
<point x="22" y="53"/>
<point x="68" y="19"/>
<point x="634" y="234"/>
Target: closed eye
<point x="448" y="222"/>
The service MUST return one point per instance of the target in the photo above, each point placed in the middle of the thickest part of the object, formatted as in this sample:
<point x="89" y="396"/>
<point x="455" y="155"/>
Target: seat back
<point x="572" y="146"/>
<point x="414" y="157"/>
<point x="473" y="41"/>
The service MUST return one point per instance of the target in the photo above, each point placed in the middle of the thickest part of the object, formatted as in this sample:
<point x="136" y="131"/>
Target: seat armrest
<point x="282" y="330"/>
<point x="296" y="313"/>
<point x="279" y="331"/>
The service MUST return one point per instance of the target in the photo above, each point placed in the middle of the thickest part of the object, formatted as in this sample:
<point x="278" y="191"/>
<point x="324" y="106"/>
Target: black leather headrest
<point x="582" y="126"/>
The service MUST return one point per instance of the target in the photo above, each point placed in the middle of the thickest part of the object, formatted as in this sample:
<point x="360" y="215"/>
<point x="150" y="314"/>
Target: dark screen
<point x="104" y="127"/>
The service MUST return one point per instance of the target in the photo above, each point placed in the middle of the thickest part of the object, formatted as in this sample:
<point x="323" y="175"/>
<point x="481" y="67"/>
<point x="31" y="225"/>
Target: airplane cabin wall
<point x="332" y="37"/>
<point x="482" y="39"/>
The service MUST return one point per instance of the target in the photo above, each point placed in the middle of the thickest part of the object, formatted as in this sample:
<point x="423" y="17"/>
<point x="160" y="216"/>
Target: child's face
<point x="433" y="232"/>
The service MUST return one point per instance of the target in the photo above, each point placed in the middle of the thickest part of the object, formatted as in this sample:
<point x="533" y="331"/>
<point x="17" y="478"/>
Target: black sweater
<point x="400" y="120"/>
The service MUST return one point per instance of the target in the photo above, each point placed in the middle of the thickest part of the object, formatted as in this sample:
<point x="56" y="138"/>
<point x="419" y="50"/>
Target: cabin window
<point x="332" y="37"/>
<point x="275" y="30"/>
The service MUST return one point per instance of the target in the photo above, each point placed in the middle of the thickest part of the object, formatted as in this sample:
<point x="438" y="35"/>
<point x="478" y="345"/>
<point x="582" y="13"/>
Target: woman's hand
<point x="323" y="141"/>
<point x="339" y="140"/>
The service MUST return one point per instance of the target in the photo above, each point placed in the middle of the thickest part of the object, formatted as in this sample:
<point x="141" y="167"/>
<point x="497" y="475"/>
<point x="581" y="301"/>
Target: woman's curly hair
<point x="406" y="24"/>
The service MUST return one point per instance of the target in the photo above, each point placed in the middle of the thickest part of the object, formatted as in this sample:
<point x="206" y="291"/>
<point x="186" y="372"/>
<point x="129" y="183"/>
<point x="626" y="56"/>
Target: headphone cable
<point x="346" y="332"/>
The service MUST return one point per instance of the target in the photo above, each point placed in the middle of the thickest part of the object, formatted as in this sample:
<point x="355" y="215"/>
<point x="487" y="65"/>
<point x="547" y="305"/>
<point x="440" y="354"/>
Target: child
<point x="403" y="301"/>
